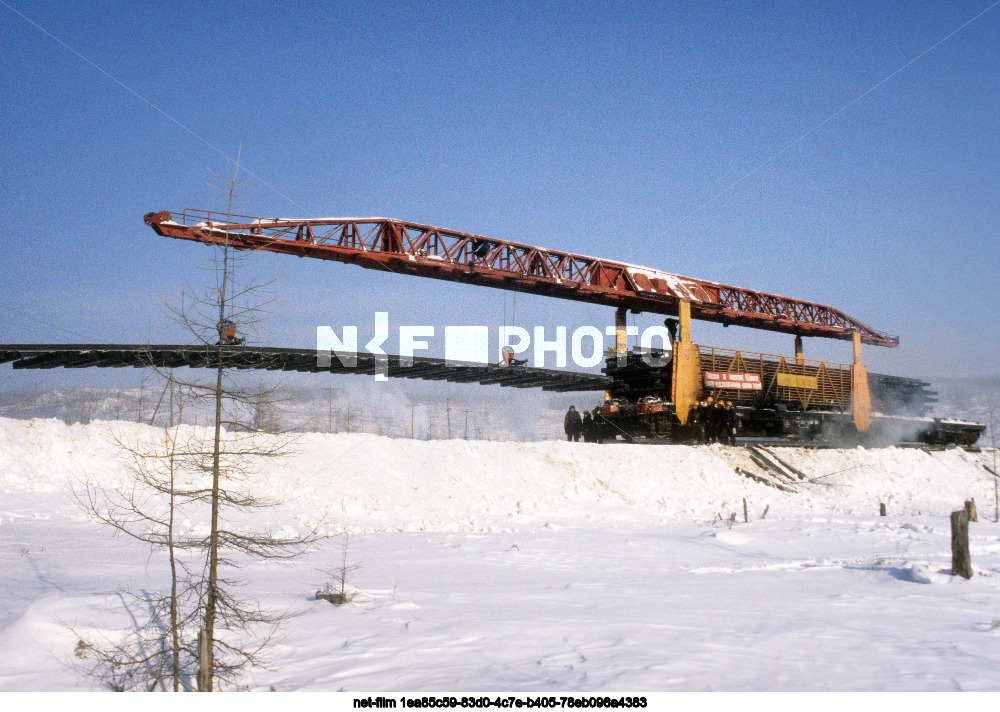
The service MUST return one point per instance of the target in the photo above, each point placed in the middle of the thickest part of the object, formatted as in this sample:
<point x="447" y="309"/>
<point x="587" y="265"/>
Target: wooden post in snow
<point x="746" y="519"/>
<point x="881" y="509"/>
<point x="961" y="563"/>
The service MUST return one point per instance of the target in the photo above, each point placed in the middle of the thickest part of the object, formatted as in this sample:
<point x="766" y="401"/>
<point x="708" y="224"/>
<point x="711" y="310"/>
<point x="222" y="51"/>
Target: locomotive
<point x="787" y="399"/>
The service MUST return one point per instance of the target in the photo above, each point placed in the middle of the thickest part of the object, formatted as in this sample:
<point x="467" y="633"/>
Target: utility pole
<point x="413" y="407"/>
<point x="466" y="411"/>
<point x="993" y="442"/>
<point x="447" y="410"/>
<point x="330" y="422"/>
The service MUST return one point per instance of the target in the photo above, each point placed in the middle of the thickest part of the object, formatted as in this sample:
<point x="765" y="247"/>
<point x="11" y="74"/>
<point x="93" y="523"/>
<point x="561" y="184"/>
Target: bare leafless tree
<point x="234" y="458"/>
<point x="146" y="509"/>
<point x="142" y="660"/>
<point x="208" y="623"/>
<point x="336" y="589"/>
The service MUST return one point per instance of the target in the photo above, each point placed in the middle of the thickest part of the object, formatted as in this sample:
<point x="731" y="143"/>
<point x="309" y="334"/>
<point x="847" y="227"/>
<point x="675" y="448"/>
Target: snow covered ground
<point x="544" y="566"/>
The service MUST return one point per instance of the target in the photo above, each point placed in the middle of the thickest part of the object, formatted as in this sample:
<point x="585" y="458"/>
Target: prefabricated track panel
<point x="43" y="356"/>
<point x="895" y="394"/>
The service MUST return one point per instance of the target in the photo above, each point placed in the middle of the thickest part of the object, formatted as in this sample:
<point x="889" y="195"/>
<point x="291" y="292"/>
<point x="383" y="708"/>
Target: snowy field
<point x="544" y="566"/>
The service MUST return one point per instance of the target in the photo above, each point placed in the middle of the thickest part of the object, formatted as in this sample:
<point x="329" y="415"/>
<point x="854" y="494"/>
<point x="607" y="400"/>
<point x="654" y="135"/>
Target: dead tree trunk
<point x="204" y="663"/>
<point x="961" y="563"/>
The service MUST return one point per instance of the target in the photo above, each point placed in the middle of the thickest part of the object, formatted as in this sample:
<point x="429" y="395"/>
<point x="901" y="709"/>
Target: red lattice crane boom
<point x="409" y="248"/>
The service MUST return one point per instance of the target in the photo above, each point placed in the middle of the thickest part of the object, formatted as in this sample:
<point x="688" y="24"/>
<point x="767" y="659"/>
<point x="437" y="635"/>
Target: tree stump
<point x="337" y="598"/>
<point x="961" y="562"/>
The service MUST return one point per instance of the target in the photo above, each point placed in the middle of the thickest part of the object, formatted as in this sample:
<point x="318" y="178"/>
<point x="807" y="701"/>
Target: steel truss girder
<point x="411" y="248"/>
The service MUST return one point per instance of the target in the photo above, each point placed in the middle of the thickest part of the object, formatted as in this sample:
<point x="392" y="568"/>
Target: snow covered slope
<point x="375" y="483"/>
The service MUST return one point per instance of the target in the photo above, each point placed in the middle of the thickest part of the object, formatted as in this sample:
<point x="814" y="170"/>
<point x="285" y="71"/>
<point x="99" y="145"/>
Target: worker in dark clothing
<point x="704" y="420"/>
<point x="573" y="424"/>
<point x="716" y="427"/>
<point x="693" y="412"/>
<point x="600" y="426"/>
<point x="726" y="422"/>
<point x="588" y="427"/>
<point x="730" y="423"/>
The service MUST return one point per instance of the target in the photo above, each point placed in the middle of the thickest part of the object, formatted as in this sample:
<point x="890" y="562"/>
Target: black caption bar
<point x="502" y="702"/>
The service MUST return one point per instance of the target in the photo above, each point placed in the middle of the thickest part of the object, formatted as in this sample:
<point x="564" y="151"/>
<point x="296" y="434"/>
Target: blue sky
<point x="675" y="135"/>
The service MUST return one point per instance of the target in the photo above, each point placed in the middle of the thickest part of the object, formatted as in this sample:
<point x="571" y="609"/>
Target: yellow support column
<point x="621" y="340"/>
<point x="621" y="336"/>
<point x="687" y="367"/>
<point x="799" y="357"/>
<point x="861" y="400"/>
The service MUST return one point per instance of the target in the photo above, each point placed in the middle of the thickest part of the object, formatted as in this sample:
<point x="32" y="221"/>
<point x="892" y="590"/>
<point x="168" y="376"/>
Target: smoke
<point x="975" y="398"/>
<point x="839" y="431"/>
<point x="890" y="431"/>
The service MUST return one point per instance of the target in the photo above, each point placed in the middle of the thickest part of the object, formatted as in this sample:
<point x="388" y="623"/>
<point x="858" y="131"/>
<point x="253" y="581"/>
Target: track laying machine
<point x="652" y="394"/>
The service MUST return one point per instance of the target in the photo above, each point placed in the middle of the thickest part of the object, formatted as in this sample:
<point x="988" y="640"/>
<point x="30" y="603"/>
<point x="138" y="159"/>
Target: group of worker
<point x="587" y="426"/>
<point x="714" y="421"/>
